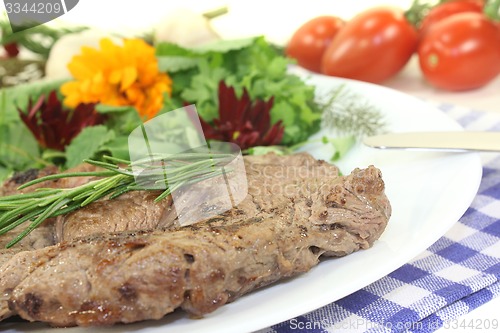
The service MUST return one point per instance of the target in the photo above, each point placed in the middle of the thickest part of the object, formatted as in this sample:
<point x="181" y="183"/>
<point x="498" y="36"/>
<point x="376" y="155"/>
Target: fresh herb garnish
<point x="251" y="64"/>
<point x="161" y="172"/>
<point x="351" y="114"/>
<point x="290" y="112"/>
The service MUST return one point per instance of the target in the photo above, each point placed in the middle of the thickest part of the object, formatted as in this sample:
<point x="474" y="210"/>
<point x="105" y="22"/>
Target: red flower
<point x="243" y="122"/>
<point x="53" y="126"/>
<point x="11" y="49"/>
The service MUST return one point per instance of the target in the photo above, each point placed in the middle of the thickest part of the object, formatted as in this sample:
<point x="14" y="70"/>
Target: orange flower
<point x="118" y="75"/>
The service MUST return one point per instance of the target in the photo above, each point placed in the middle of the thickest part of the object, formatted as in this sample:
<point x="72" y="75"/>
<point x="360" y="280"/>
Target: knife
<point x="456" y="141"/>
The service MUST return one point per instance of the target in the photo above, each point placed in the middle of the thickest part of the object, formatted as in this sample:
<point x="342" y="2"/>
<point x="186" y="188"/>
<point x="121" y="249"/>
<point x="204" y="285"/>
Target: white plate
<point x="429" y="192"/>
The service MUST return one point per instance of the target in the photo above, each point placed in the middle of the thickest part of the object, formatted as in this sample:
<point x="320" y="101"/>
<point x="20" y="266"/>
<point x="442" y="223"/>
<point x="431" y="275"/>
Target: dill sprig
<point x="350" y="114"/>
<point x="158" y="172"/>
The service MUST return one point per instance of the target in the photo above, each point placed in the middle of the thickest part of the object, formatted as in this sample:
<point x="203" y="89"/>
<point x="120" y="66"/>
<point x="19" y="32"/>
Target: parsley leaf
<point x="88" y="143"/>
<point x="252" y="64"/>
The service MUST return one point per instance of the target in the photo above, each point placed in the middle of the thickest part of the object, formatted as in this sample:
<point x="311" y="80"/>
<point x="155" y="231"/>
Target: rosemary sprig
<point x="159" y="172"/>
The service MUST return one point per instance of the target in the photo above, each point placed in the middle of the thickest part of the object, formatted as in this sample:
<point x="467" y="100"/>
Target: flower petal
<point x="129" y="75"/>
<point x="243" y="121"/>
<point x="107" y="74"/>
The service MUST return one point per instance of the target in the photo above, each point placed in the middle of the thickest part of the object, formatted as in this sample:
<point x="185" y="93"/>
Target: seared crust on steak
<point x="278" y="231"/>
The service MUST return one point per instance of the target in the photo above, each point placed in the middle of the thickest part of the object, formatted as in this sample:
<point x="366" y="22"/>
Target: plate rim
<point x="262" y="323"/>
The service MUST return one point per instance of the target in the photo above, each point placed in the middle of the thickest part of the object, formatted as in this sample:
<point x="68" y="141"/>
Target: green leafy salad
<point x="251" y="70"/>
<point x="243" y="91"/>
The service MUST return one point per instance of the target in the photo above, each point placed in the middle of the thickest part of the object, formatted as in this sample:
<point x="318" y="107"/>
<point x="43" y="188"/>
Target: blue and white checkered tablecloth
<point x="458" y="273"/>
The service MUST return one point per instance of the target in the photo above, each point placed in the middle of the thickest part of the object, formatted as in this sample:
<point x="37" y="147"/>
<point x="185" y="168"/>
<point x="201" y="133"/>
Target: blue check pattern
<point x="458" y="273"/>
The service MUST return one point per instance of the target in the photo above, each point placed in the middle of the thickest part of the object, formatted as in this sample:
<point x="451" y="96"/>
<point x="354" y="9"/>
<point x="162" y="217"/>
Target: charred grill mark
<point x="314" y="250"/>
<point x="128" y="292"/>
<point x="88" y="306"/>
<point x="215" y="230"/>
<point x="303" y="230"/>
<point x="257" y="219"/>
<point x="26" y="176"/>
<point x="135" y="244"/>
<point x="129" y="243"/>
<point x="103" y="264"/>
<point x="192" y="227"/>
<point x="189" y="258"/>
<point x="11" y="305"/>
<point x="215" y="219"/>
<point x="330" y="226"/>
<point x="92" y="313"/>
<point x="248" y="222"/>
<point x="7" y="292"/>
<point x="336" y="199"/>
<point x="216" y="274"/>
<point x="114" y="244"/>
<point x="244" y="280"/>
<point x="359" y="198"/>
<point x="32" y="304"/>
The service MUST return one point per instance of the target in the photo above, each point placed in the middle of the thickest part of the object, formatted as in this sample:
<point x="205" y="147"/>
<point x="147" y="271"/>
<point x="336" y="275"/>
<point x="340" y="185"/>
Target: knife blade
<point x="456" y="141"/>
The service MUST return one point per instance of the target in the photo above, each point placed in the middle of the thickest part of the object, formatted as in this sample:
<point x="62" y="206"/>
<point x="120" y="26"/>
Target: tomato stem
<point x="492" y="9"/>
<point x="420" y="8"/>
<point x="417" y="11"/>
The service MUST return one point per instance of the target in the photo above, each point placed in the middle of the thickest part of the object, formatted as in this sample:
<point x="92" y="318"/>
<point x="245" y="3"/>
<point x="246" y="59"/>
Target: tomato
<point x="461" y="52"/>
<point x="372" y="47"/>
<point x="447" y="9"/>
<point x="310" y="41"/>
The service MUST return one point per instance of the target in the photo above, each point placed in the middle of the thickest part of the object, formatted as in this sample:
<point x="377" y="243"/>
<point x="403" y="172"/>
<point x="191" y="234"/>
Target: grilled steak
<point x="297" y="210"/>
<point x="44" y="235"/>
